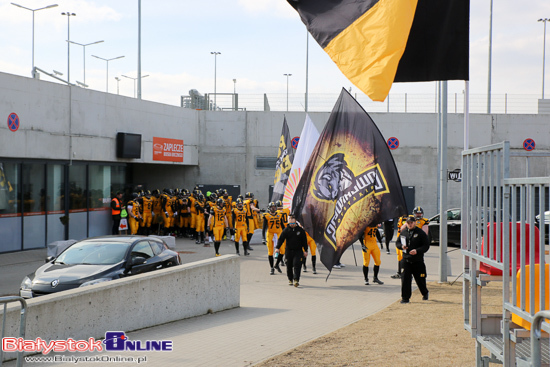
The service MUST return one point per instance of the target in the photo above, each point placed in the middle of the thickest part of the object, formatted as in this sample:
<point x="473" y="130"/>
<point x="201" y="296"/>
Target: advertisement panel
<point x="168" y="150"/>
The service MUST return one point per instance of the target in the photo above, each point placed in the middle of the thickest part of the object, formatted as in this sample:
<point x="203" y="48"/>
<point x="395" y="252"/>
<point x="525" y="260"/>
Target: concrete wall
<point x="132" y="303"/>
<point x="256" y="134"/>
<point x="60" y="122"/>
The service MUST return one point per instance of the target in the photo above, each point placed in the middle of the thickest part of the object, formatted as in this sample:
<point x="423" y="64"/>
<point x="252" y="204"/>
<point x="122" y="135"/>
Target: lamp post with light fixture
<point x="69" y="15"/>
<point x="107" y="60"/>
<point x="117" y="84"/>
<point x="33" y="10"/>
<point x="287" y="75"/>
<point x="135" y="79"/>
<point x="215" y="53"/>
<point x="84" y="53"/>
<point x="544" y="20"/>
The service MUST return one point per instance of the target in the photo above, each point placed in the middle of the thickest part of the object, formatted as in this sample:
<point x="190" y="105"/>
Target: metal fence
<point x="503" y="242"/>
<point x="22" y="324"/>
<point x="396" y="102"/>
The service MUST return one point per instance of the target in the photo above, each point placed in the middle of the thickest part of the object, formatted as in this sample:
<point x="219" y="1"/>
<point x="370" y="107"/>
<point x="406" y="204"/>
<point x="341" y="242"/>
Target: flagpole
<point x="438" y="96"/>
<point x="307" y="65"/>
<point x="443" y="187"/>
<point x="466" y="115"/>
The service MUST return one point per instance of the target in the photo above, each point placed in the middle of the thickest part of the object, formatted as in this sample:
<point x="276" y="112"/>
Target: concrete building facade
<point x="59" y="161"/>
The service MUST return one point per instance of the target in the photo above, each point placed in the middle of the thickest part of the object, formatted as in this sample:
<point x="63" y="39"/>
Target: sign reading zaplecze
<point x="170" y="150"/>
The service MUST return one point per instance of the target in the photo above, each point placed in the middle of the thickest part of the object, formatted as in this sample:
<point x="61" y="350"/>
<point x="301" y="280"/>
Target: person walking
<point x="273" y="226"/>
<point x="240" y="230"/>
<point x="296" y="250"/>
<point x="370" y="248"/>
<point x="217" y="223"/>
<point x="313" y="250"/>
<point x="414" y="244"/>
<point x="388" y="233"/>
<point x="251" y="209"/>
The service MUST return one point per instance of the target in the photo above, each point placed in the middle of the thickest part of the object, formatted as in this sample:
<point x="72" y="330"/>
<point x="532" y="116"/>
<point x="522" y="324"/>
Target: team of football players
<point x="216" y="216"/>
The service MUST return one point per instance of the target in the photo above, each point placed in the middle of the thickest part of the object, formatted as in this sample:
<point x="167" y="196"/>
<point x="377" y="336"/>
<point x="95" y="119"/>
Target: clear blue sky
<point x="259" y="41"/>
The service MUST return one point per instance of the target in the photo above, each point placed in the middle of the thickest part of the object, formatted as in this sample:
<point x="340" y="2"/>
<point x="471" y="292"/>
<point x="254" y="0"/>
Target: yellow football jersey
<point x="274" y="222"/>
<point x="240" y="217"/>
<point x="218" y="217"/>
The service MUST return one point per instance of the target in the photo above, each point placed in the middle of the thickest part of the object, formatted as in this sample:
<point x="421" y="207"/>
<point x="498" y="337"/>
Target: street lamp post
<point x="84" y="53"/>
<point x="134" y="79"/>
<point x="215" y="53"/>
<point x="544" y="20"/>
<point x="117" y="84"/>
<point x="234" y="86"/>
<point x="490" y="59"/>
<point x="287" y="75"/>
<point x="107" y="60"/>
<point x="33" y="10"/>
<point x="69" y="15"/>
<point x="139" y="51"/>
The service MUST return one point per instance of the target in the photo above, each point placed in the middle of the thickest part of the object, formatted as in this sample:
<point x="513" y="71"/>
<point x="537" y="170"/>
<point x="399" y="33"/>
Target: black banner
<point x="284" y="164"/>
<point x="349" y="183"/>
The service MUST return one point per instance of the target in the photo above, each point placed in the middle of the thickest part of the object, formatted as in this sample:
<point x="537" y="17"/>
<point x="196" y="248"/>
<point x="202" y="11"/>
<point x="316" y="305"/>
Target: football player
<point x="273" y="225"/>
<point x="239" y="226"/>
<point x="217" y="223"/>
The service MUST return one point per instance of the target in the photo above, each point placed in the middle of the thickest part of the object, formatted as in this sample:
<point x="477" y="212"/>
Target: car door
<point x="433" y="229"/>
<point x="454" y="224"/>
<point x="163" y="259"/>
<point x="142" y="249"/>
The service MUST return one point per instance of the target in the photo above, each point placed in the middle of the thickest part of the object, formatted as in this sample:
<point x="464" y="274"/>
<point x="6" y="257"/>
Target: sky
<point x="259" y="42"/>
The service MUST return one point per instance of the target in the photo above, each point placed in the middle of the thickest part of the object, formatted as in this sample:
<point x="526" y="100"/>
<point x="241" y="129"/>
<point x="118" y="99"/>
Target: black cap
<point x="411" y="218"/>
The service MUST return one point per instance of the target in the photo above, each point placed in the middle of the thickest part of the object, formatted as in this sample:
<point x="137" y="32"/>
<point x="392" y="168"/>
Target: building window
<point x="266" y="162"/>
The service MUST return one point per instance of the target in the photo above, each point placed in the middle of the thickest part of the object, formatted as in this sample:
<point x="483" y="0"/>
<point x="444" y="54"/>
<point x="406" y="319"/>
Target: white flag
<point x="308" y="139"/>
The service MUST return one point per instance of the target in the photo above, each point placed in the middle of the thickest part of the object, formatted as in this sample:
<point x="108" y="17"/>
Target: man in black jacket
<point x="414" y="243"/>
<point x="296" y="249"/>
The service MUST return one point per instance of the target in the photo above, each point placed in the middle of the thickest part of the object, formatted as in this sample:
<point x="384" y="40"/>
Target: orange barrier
<point x="515" y="318"/>
<point x="488" y="269"/>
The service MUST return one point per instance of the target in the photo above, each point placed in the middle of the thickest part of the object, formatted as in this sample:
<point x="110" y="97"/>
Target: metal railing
<point x="501" y="242"/>
<point x="22" y="324"/>
<point x="536" y="336"/>
<point x="395" y="103"/>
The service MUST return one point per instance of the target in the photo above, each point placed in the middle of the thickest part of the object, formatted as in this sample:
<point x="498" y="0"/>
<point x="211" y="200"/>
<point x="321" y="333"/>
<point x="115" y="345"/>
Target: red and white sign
<point x="168" y="150"/>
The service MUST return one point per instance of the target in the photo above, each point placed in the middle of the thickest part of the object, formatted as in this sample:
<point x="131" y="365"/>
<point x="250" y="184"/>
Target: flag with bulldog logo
<point x="349" y="183"/>
<point x="284" y="164"/>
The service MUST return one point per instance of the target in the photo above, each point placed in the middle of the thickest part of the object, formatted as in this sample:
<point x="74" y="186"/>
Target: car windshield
<point x="93" y="253"/>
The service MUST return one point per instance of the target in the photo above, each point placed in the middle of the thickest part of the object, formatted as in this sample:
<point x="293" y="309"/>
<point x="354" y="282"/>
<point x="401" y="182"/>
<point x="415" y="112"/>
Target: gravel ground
<point x="421" y="333"/>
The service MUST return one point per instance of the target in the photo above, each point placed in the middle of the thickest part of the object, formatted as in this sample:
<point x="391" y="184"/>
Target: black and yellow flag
<point x="377" y="42"/>
<point x="349" y="183"/>
<point x="284" y="164"/>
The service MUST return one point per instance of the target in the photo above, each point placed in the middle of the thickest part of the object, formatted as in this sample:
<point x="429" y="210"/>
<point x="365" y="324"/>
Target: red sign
<point x="13" y="121"/>
<point x="529" y="144"/>
<point x="295" y="140"/>
<point x="168" y="150"/>
<point x="393" y="143"/>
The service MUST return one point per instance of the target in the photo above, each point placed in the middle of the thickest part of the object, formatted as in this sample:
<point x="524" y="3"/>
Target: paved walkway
<point x="259" y="328"/>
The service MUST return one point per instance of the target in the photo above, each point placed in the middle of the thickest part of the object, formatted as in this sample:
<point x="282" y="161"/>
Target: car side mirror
<point x="49" y="258"/>
<point x="138" y="260"/>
